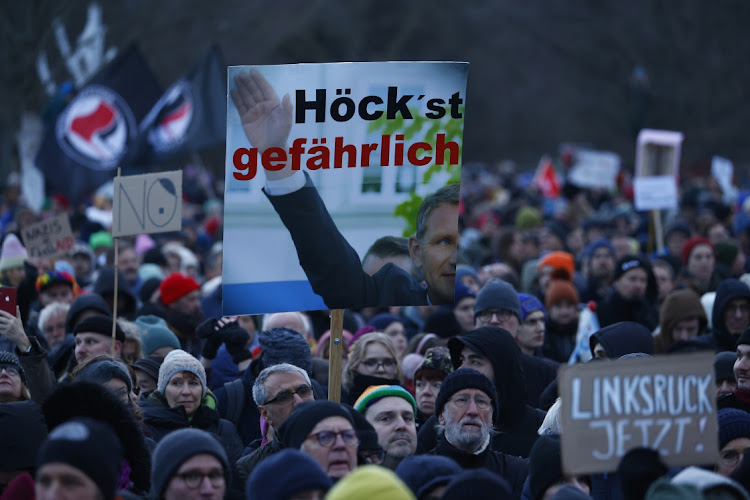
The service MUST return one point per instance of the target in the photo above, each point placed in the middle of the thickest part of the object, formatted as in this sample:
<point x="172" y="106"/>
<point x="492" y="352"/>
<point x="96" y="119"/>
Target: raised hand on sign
<point x="209" y="330"/>
<point x="266" y="119"/>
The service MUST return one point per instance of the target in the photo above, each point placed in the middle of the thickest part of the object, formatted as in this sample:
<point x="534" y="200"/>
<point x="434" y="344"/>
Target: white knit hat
<point x="13" y="253"/>
<point x="180" y="361"/>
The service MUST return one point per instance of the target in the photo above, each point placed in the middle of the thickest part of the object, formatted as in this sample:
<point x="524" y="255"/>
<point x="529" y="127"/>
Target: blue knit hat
<point x="596" y="244"/>
<point x="529" y="304"/>
<point x="733" y="424"/>
<point x="286" y="473"/>
<point x="284" y="345"/>
<point x="462" y="291"/>
<point x="155" y="334"/>
<point x="421" y="473"/>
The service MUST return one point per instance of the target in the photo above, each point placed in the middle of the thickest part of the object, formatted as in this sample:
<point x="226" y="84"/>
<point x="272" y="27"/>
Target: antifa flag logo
<point x="95" y="128"/>
<point x="173" y="119"/>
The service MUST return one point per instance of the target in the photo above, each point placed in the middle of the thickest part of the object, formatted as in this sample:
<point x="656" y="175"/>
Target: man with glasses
<point x="189" y="464"/>
<point x="392" y="411"/>
<point x="740" y="397"/>
<point x="730" y="316"/>
<point x="467" y="411"/>
<point x="498" y="304"/>
<point x="277" y="390"/>
<point x="325" y="431"/>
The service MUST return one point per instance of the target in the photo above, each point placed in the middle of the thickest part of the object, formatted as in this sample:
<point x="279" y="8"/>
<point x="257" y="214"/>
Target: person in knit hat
<point x="181" y="293"/>
<point x="189" y="462"/>
<point x="477" y="484"/>
<point x="561" y="325"/>
<point x="467" y="409"/>
<point x="724" y="373"/>
<point x="469" y="277"/>
<point x="370" y="482"/>
<point x="681" y="318"/>
<point x="146" y="372"/>
<point x="551" y="262"/>
<point x="94" y="336"/>
<point x="546" y="476"/>
<point x="734" y="439"/>
<point x="428" y="377"/>
<point x="634" y="295"/>
<point x="325" y="431"/>
<point x="287" y="475"/>
<point x="615" y="341"/>
<point x="182" y="400"/>
<point x="56" y="286"/>
<point x="463" y="309"/>
<point x="392" y="411"/>
<point x="427" y="475"/>
<point x="497" y="304"/>
<point x="393" y="327"/>
<point x="598" y="269"/>
<point x="13" y="255"/>
<point x="156" y="337"/>
<point x="13" y="384"/>
<point x="699" y="265"/>
<point x="109" y="372"/>
<point x="530" y="336"/>
<point x="730" y="315"/>
<point x="79" y="459"/>
<point x="740" y="398"/>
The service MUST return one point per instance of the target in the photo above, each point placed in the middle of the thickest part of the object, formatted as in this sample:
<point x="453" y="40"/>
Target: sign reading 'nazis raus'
<point x="149" y="203"/>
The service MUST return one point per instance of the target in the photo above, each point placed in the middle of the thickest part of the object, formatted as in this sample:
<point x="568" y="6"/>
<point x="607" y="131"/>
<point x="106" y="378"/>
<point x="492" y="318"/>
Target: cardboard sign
<point x="49" y="238"/>
<point x="148" y="203"/>
<point x="359" y="137"/>
<point x="595" y="169"/>
<point x="663" y="402"/>
<point x="657" y="162"/>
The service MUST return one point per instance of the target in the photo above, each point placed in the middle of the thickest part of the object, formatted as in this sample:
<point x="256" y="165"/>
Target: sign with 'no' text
<point x="667" y="403"/>
<point x="148" y="203"/>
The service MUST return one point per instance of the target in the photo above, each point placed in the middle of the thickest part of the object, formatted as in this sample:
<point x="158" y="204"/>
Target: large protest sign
<point x="148" y="203"/>
<point x="657" y="162"/>
<point x="365" y="137"/>
<point x="594" y="169"/>
<point x="48" y="238"/>
<point x="664" y="402"/>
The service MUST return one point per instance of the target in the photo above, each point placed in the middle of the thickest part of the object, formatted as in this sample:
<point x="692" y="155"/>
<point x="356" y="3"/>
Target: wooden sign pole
<point x="335" y="354"/>
<point x="115" y="242"/>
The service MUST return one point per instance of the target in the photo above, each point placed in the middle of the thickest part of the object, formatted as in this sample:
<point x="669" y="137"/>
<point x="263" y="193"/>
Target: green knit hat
<point x="375" y="393"/>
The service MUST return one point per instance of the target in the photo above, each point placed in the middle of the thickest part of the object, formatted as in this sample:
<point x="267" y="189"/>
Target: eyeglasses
<point x="194" y="478"/>
<point x="463" y="402"/>
<point x="327" y="438"/>
<point x="9" y="369"/>
<point x="373" y="363"/>
<point x="730" y="458"/>
<point x="287" y="396"/>
<point x="502" y="314"/>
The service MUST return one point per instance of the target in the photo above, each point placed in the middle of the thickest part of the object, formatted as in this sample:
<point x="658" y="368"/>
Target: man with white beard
<point x="466" y="409"/>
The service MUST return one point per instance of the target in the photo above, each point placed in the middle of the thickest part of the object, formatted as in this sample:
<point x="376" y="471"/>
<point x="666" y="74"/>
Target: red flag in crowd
<point x="91" y="137"/>
<point x="546" y="179"/>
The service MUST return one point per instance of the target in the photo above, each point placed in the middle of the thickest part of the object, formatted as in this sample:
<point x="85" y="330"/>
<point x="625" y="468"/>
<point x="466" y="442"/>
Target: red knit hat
<point x="689" y="245"/>
<point x="176" y="286"/>
<point x="559" y="291"/>
<point x="557" y="260"/>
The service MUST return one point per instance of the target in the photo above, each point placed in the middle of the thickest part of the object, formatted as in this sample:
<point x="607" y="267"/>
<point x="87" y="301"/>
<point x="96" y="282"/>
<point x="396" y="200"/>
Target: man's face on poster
<point x="435" y="253"/>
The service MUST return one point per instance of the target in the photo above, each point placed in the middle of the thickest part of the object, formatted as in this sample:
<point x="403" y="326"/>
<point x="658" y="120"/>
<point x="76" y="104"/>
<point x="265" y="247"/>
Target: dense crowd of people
<point x="172" y="400"/>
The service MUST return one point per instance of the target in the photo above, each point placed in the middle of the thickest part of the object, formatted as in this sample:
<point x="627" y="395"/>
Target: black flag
<point x="189" y="116"/>
<point x="91" y="137"/>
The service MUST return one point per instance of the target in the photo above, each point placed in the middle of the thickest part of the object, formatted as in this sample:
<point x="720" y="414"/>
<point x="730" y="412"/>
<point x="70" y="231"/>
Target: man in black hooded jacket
<point x="493" y="351"/>
<point x="730" y="316"/>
